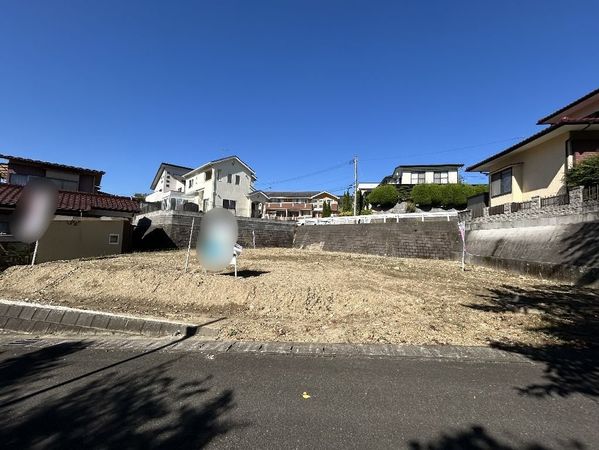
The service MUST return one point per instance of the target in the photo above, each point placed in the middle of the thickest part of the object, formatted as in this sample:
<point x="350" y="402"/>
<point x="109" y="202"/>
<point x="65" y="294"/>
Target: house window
<point x="417" y="177"/>
<point x="218" y="175"/>
<point x="501" y="182"/>
<point x="190" y="182"/>
<point x="229" y="204"/>
<point x="229" y="178"/>
<point x="441" y="177"/>
<point x="237" y="179"/>
<point x="4" y="228"/>
<point x="114" y="239"/>
<point x="208" y="175"/>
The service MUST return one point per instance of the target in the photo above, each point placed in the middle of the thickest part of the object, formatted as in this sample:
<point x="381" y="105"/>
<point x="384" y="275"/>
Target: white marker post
<point x="462" y="228"/>
<point x="34" y="253"/>
<point x="189" y="244"/>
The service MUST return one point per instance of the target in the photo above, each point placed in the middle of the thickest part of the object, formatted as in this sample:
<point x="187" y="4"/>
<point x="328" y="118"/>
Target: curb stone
<point x="26" y="317"/>
<point x="211" y="348"/>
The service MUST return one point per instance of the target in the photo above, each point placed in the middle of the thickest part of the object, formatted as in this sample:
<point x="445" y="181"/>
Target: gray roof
<point x="173" y="169"/>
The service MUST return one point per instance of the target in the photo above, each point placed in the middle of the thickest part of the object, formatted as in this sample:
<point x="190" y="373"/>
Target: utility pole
<point x="355" y="184"/>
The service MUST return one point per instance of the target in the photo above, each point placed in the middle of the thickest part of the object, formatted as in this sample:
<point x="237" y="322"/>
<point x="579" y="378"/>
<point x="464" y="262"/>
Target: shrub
<point x="585" y="173"/>
<point x="384" y="196"/>
<point x="445" y="195"/>
<point x="410" y="207"/>
<point x="366" y="212"/>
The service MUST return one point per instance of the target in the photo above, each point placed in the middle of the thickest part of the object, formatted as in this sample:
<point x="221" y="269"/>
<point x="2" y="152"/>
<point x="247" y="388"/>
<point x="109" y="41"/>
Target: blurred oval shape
<point x="218" y="236"/>
<point x="35" y="210"/>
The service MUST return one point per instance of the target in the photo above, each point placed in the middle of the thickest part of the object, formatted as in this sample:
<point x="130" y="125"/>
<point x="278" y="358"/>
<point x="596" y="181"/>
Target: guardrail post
<point x="423" y="217"/>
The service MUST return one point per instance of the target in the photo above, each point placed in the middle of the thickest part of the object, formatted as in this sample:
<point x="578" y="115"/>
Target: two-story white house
<point x="225" y="183"/>
<point x="168" y="178"/>
<point x="424" y="173"/>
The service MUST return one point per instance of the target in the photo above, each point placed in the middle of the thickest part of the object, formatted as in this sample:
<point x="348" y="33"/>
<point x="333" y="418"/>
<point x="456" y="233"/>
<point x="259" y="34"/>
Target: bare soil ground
<point x="302" y="295"/>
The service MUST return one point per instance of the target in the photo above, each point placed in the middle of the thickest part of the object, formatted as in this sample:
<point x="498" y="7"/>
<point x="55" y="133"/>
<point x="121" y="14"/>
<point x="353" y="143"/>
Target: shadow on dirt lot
<point x="571" y="314"/>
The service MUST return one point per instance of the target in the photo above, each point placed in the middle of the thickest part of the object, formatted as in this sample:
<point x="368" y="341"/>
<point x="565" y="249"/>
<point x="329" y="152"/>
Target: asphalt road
<point x="70" y="396"/>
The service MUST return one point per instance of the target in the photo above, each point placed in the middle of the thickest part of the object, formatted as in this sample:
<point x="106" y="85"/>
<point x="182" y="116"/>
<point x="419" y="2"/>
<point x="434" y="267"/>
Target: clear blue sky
<point x="291" y="87"/>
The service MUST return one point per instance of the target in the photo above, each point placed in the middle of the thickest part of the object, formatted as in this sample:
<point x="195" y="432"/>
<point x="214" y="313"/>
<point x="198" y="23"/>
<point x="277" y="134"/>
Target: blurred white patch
<point x="218" y="236"/>
<point x="35" y="210"/>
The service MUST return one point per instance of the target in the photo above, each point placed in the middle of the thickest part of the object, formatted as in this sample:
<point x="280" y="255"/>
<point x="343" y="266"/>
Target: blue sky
<point x="292" y="87"/>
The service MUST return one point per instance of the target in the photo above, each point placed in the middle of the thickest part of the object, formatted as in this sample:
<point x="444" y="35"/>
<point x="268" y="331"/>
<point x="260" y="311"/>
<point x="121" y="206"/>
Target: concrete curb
<point x="26" y="317"/>
<point x="212" y="348"/>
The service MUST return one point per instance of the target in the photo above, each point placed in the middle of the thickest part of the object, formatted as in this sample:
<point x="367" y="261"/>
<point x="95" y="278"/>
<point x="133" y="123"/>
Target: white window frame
<point x="118" y="239"/>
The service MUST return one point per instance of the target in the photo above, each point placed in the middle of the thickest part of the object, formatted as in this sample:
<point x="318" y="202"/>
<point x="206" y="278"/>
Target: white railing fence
<point x="378" y="218"/>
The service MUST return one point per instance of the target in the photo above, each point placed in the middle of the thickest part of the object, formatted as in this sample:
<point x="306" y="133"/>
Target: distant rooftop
<point x="36" y="162"/>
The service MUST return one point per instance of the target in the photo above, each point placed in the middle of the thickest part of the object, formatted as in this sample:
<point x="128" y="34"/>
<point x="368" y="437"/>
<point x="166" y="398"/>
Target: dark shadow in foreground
<point x="141" y="409"/>
<point x="32" y="367"/>
<point x="571" y="315"/>
<point x="477" y="438"/>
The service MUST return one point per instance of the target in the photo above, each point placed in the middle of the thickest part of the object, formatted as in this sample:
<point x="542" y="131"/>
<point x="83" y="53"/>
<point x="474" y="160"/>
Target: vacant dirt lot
<point x="301" y="295"/>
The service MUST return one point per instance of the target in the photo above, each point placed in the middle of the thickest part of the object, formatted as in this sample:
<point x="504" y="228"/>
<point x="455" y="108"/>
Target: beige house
<point x="224" y="183"/>
<point x="535" y="167"/>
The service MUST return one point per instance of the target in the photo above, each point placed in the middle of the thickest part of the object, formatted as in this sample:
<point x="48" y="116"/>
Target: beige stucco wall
<point x="79" y="238"/>
<point x="224" y="190"/>
<point x="537" y="171"/>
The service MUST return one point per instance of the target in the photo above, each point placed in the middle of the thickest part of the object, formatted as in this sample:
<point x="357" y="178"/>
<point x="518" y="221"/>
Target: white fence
<point x="377" y="218"/>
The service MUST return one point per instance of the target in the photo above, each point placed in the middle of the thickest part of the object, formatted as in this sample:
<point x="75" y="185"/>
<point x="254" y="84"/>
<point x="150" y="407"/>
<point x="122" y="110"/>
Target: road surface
<point x="70" y="395"/>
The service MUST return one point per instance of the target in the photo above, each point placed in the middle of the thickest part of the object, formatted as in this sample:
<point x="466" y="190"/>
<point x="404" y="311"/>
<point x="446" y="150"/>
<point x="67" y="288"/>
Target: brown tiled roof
<point x="51" y="164"/>
<point x="74" y="201"/>
<point x="568" y="106"/>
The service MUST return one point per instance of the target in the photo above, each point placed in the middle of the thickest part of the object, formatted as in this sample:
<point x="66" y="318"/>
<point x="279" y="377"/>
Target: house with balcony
<point x="291" y="205"/>
<point x="225" y="183"/>
<point x="535" y="167"/>
<point x="424" y="173"/>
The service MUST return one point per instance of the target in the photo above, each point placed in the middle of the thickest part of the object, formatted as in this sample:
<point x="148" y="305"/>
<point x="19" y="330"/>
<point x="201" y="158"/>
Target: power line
<point x="311" y="174"/>
<point x="443" y="151"/>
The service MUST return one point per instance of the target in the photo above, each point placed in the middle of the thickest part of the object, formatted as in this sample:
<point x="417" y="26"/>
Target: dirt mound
<point x="293" y="295"/>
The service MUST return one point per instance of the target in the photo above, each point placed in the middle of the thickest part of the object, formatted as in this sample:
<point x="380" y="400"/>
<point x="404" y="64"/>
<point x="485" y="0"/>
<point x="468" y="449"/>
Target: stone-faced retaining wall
<point x="170" y="230"/>
<point x="406" y="239"/>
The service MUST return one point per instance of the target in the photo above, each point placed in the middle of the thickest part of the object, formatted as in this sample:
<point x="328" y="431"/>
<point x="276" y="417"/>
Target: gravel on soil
<point x="298" y="295"/>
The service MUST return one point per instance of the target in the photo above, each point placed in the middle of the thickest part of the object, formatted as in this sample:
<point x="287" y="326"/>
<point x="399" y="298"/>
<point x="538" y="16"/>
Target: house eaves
<point x="550" y="132"/>
<point x="209" y="164"/>
<point x="582" y="99"/>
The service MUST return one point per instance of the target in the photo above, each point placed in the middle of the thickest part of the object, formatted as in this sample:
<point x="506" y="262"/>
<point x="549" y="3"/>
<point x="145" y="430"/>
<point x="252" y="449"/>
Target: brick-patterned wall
<point x="408" y="239"/>
<point x="171" y="229"/>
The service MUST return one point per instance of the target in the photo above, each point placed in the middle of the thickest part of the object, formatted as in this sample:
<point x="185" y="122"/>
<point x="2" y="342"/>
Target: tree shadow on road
<point x="140" y="409"/>
<point x="477" y="438"/>
<point x="32" y="367"/>
<point x="570" y="315"/>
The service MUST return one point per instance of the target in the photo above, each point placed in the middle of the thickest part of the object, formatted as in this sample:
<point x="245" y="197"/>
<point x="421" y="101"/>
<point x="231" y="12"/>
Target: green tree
<point x="360" y="202"/>
<point x="346" y="202"/>
<point x="326" y="209"/>
<point x="384" y="196"/>
<point x="584" y="173"/>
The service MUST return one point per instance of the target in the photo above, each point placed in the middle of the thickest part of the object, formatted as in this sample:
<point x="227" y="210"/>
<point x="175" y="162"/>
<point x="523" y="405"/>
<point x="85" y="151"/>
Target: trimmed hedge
<point x="384" y="196"/>
<point x="445" y="195"/>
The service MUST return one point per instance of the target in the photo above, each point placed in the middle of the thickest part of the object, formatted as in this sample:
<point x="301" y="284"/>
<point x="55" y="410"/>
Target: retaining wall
<point x="170" y="229"/>
<point x="560" y="246"/>
<point x="405" y="239"/>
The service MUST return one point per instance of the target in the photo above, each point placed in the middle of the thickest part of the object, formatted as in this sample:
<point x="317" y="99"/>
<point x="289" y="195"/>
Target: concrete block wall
<point x="172" y="230"/>
<point x="406" y="239"/>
